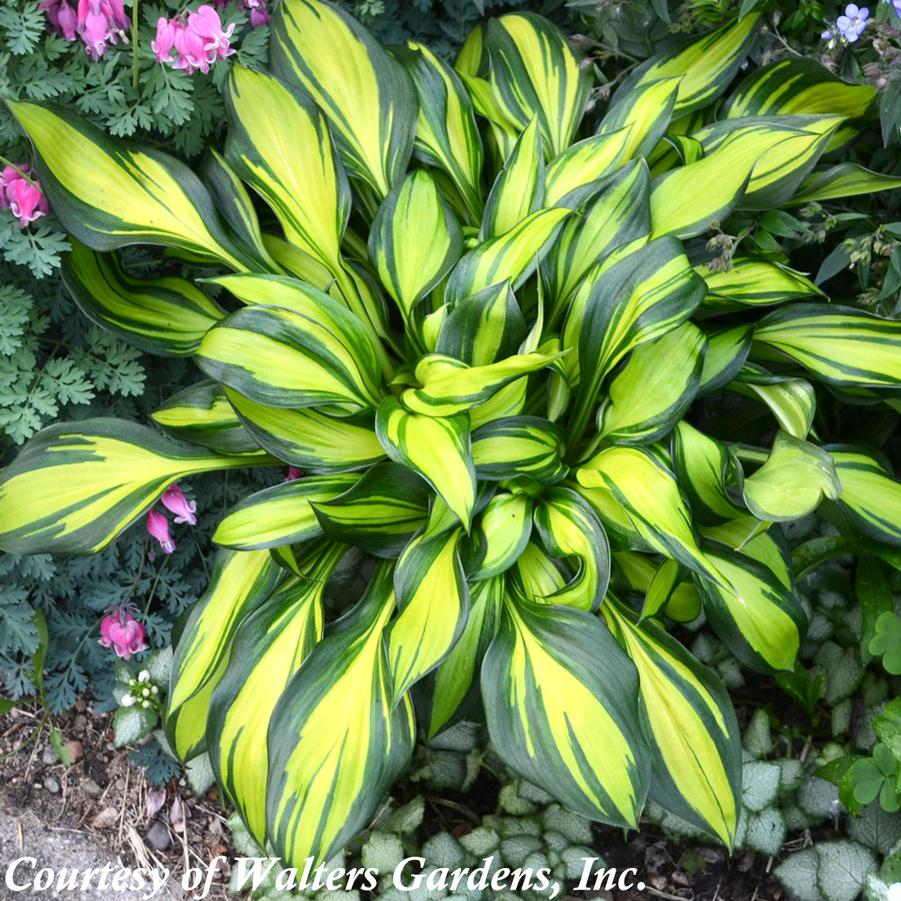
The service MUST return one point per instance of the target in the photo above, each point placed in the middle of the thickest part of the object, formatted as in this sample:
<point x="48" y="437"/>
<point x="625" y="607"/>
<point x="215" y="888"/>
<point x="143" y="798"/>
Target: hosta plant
<point x="492" y="334"/>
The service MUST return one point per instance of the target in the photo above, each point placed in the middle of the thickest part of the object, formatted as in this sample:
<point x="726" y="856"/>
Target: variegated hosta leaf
<point x="792" y="401"/>
<point x="637" y="574"/>
<point x="710" y="476"/>
<point x="449" y="386"/>
<point x="560" y="697"/>
<point x="500" y="535"/>
<point x="841" y="345"/>
<point x="750" y="281"/>
<point x="336" y="739"/>
<point x="433" y="601"/>
<point x="654" y="389"/>
<point x="569" y="528"/>
<point x="615" y="221"/>
<point x="454" y="679"/>
<point x="513" y="256"/>
<point x="471" y="56"/>
<point x="107" y="196"/>
<point x="310" y="439"/>
<point x="446" y="131"/>
<point x="790" y="145"/>
<point x="684" y="604"/>
<point x="74" y="487"/>
<point x="240" y="583"/>
<point x="745" y="535"/>
<point x="755" y="615"/>
<point x="236" y="208"/>
<point x="617" y="524"/>
<point x="508" y="401"/>
<point x="645" y="115"/>
<point x="800" y="86"/>
<point x="314" y="354"/>
<point x="301" y="264"/>
<point x="727" y="350"/>
<point x="519" y="446"/>
<point x="484" y="327"/>
<point x="519" y="188"/>
<point x="796" y="476"/>
<point x="706" y="66"/>
<point x="843" y="180"/>
<point x="637" y="300"/>
<point x="380" y="513"/>
<point x="537" y="574"/>
<point x="534" y="74"/>
<point x="202" y="415"/>
<point x="438" y="448"/>
<point x="167" y="316"/>
<point x="871" y="495"/>
<point x="365" y="93"/>
<point x="415" y="240"/>
<point x="649" y="493"/>
<point x="661" y="587"/>
<point x="695" y="742"/>
<point x="502" y="131"/>
<point x="267" y="650"/>
<point x="282" y="514"/>
<point x="572" y="175"/>
<point x="278" y="142"/>
<point x="678" y="208"/>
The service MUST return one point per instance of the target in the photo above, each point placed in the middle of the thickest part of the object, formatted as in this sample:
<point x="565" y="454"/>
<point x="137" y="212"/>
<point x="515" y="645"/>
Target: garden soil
<point x="100" y="809"/>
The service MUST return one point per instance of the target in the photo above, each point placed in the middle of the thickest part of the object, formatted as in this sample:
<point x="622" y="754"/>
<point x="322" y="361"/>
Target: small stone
<point x="48" y="756"/>
<point x="91" y="789"/>
<point x="75" y="749"/>
<point x="51" y="785"/>
<point x="81" y="705"/>
<point x="106" y="819"/>
<point x="158" y="836"/>
<point x="80" y="723"/>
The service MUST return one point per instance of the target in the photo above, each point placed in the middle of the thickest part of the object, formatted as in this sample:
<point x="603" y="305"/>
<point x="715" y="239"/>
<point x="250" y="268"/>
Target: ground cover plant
<point x="506" y="344"/>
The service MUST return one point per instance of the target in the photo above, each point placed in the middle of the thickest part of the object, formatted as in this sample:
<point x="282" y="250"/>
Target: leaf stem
<point x="135" y="73"/>
<point x="20" y="173"/>
<point x="751" y="454"/>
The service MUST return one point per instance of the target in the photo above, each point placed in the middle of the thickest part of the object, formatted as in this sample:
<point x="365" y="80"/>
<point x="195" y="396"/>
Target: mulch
<point x="104" y="794"/>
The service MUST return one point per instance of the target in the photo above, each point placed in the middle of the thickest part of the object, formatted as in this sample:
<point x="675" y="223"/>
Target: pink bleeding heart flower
<point x="158" y="528"/>
<point x="259" y="14"/>
<point x="23" y="196"/>
<point x="122" y="632"/>
<point x="62" y="17"/>
<point x="164" y="43"/>
<point x="175" y="502"/>
<point x="192" y="55"/>
<point x="68" y="22"/>
<point x="114" y="10"/>
<point x="208" y="26"/>
<point x="294" y="473"/>
<point x="101" y="22"/>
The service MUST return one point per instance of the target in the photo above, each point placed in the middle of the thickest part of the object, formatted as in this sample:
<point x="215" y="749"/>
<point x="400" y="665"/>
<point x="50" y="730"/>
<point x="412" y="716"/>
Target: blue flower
<point x="853" y="22"/>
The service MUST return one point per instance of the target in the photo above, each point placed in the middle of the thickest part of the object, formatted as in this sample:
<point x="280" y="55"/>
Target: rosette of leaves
<point x="486" y="330"/>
